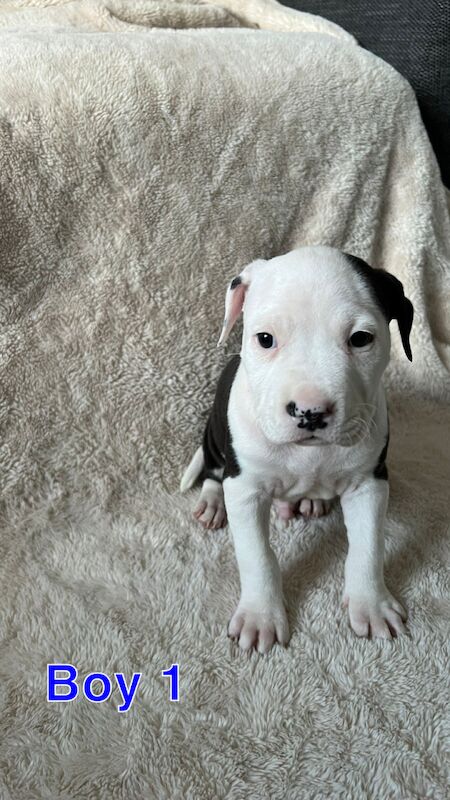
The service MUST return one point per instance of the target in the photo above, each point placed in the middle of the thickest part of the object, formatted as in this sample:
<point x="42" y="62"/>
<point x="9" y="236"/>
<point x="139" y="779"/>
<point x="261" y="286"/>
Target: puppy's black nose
<point x="310" y="418"/>
<point x="291" y="408"/>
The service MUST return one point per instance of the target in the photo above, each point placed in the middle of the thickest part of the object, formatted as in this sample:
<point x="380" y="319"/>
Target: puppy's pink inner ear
<point x="233" y="307"/>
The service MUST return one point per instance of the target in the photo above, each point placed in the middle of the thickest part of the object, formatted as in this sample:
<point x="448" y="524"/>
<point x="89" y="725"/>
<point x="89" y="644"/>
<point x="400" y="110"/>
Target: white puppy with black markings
<point x="299" y="418"/>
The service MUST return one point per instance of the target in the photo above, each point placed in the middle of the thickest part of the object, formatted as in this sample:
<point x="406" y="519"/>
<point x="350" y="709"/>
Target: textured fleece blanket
<point x="148" y="151"/>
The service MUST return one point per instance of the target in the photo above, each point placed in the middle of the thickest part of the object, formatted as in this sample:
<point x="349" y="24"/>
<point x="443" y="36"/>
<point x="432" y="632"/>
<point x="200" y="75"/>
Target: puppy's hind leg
<point x="305" y="508"/>
<point x="313" y="508"/>
<point x="210" y="509"/>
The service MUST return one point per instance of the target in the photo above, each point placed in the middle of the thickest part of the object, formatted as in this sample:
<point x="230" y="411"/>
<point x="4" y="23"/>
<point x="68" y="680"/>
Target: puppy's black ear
<point x="388" y="293"/>
<point x="404" y="314"/>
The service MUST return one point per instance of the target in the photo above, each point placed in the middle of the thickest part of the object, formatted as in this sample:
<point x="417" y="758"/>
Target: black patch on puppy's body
<point x="217" y="443"/>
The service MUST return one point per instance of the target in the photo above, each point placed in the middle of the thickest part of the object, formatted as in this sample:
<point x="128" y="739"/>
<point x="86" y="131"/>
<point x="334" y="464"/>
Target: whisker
<point x="358" y="428"/>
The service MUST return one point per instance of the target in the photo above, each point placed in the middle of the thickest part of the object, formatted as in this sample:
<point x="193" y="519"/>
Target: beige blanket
<point x="149" y="150"/>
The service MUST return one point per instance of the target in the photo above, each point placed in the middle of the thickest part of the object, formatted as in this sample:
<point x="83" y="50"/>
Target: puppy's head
<point x="315" y="342"/>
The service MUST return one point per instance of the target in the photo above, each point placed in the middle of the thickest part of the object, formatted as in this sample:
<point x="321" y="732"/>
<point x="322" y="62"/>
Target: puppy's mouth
<point x="310" y="440"/>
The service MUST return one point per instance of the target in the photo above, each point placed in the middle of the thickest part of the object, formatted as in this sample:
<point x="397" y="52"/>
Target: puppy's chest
<point x="315" y="483"/>
<point x="317" y="474"/>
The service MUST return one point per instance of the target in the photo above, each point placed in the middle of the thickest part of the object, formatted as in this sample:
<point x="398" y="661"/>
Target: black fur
<point x="217" y="444"/>
<point x="388" y="293"/>
<point x="235" y="282"/>
<point x="380" y="470"/>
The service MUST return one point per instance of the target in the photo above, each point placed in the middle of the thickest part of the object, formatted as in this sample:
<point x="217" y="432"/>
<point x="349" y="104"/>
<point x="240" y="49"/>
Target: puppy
<point x="300" y="417"/>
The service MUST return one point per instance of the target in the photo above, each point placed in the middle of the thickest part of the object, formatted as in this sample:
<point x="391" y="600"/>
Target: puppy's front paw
<point x="378" y="615"/>
<point x="259" y="628"/>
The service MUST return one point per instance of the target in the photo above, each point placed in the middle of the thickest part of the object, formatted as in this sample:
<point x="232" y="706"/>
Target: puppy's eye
<point x="266" y="340"/>
<point x="360" y="339"/>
